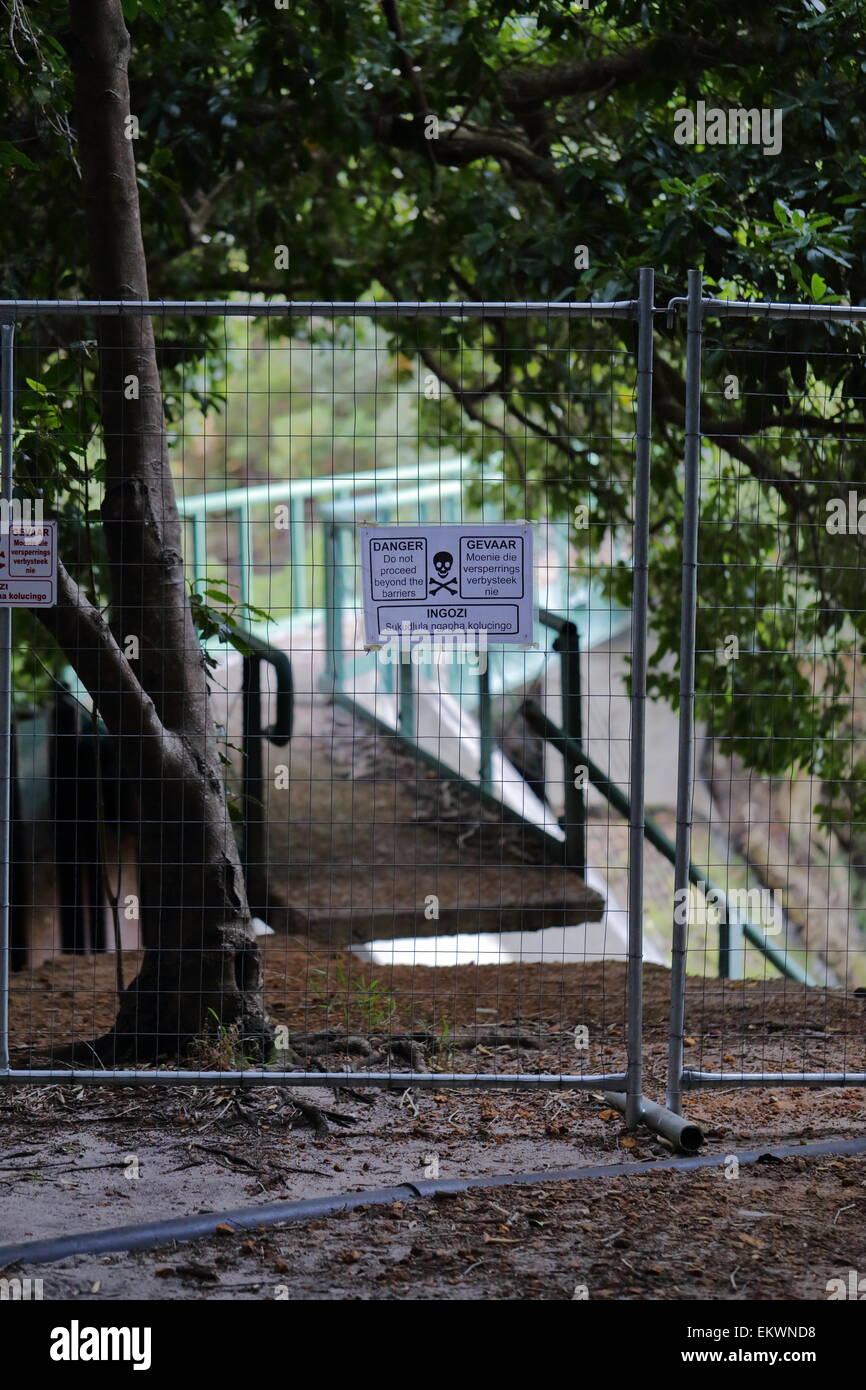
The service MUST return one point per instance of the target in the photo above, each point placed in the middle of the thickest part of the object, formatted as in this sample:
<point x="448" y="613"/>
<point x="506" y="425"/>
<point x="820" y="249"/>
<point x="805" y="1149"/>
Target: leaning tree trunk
<point x="201" y="963"/>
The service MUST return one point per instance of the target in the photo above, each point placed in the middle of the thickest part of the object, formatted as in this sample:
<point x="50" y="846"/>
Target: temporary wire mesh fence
<point x="773" y="621"/>
<point x="441" y="845"/>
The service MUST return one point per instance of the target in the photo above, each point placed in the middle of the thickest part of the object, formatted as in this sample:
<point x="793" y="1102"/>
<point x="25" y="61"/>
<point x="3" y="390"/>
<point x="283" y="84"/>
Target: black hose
<point x="203" y="1224"/>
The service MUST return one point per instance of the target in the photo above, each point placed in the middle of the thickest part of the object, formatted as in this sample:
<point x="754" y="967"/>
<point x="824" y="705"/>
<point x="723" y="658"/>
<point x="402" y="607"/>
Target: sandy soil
<point x="74" y="1158"/>
<point x="358" y="810"/>
<point x="780" y="1229"/>
<point x="730" y="1025"/>
<point x="78" y="1158"/>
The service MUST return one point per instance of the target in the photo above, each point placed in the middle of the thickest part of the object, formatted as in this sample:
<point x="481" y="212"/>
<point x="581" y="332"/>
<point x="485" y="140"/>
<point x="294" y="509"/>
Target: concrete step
<point x="381" y="902"/>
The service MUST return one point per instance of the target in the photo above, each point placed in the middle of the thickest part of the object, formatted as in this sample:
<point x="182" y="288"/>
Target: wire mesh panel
<point x="769" y="925"/>
<point x="248" y="844"/>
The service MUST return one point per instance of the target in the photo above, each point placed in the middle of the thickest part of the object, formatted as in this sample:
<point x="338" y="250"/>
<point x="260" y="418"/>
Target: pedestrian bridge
<point x="286" y="552"/>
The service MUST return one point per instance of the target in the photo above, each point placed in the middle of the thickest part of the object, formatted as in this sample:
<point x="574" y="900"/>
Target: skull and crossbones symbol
<point x="442" y="562"/>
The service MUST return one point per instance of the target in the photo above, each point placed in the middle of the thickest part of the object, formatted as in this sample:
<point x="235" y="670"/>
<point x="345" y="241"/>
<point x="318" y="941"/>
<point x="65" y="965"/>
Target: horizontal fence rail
<point x="13" y="310"/>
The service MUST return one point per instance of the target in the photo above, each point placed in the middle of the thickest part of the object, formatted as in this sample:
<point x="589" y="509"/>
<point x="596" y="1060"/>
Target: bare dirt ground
<point x="76" y="1158"/>
<point x="515" y="1017"/>
<point x="782" y="1229"/>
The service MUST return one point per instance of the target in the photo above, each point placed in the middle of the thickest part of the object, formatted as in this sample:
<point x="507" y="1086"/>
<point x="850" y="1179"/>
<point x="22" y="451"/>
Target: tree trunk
<point x="201" y="964"/>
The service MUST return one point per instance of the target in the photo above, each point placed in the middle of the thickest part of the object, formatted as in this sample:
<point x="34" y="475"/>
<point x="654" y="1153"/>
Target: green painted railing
<point x="732" y="931"/>
<point x="238" y="504"/>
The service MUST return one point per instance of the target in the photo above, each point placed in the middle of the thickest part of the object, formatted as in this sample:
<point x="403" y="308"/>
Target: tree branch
<point x="670" y="53"/>
<point x="395" y="25"/>
<point x="467" y="147"/>
<point x="88" y="641"/>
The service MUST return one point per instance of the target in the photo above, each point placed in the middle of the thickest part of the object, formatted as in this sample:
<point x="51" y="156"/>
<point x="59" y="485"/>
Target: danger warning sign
<point x="28" y="565"/>
<point x="446" y="579"/>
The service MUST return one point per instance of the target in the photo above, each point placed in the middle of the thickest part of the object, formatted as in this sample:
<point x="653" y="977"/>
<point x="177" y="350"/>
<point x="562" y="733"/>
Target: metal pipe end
<point x="685" y="1136"/>
<point x="691" y="1138"/>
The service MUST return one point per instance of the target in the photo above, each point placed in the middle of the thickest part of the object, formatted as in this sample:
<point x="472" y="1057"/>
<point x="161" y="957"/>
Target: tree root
<point x="316" y="1044"/>
<point x="318" y="1117"/>
<point x="410" y="1051"/>
<point x="469" y="1040"/>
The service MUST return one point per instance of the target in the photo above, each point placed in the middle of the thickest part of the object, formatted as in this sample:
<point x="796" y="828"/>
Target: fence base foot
<point x="685" y="1136"/>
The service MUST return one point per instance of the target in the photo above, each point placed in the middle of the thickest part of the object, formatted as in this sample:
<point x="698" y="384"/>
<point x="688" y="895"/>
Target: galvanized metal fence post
<point x="7" y="386"/>
<point x="640" y="615"/>
<point x="685" y="752"/>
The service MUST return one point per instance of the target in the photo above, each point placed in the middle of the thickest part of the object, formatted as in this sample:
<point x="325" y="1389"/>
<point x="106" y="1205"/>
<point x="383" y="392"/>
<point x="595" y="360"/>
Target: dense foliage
<point x="465" y="149"/>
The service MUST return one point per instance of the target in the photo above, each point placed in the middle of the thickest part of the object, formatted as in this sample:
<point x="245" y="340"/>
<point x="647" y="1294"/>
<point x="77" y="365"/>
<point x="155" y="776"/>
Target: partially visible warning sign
<point x="448" y="579"/>
<point x="28" y="565"/>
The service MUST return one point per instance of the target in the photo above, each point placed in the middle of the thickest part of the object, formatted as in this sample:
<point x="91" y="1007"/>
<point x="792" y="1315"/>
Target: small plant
<point x="369" y="1005"/>
<point x="219" y="1050"/>
<point x="321" y="995"/>
<point x="445" y="1044"/>
<point x="377" y="1003"/>
<point x="225" y="623"/>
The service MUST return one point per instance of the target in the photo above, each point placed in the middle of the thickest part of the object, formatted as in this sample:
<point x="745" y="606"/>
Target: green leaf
<point x="10" y="156"/>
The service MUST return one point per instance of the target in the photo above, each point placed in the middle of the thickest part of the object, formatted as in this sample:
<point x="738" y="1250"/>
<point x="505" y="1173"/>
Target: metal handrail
<point x="280" y="731"/>
<point x="573" y="753"/>
<point x="567" y="644"/>
<point x="253" y="855"/>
